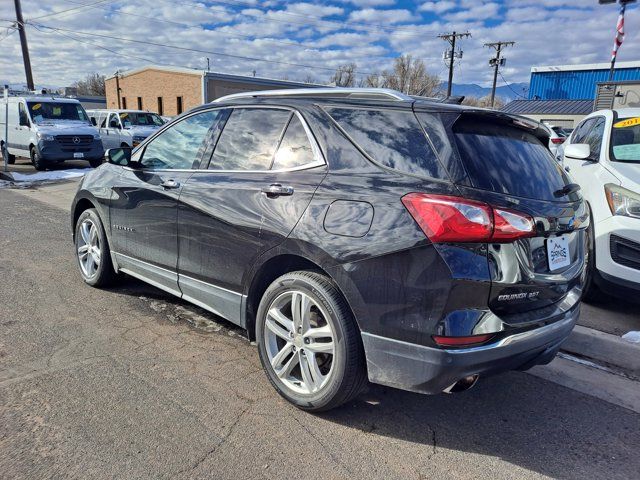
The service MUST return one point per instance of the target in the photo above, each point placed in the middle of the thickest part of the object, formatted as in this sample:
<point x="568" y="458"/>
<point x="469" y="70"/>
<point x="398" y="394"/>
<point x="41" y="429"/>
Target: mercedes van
<point x="49" y="130"/>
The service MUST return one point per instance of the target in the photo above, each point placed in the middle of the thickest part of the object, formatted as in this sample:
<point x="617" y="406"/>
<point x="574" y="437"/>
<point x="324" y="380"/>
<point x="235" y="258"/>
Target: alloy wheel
<point x="89" y="249"/>
<point x="299" y="341"/>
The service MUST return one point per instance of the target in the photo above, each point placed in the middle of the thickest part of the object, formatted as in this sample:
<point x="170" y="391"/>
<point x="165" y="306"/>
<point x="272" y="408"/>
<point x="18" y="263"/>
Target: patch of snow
<point x="633" y="336"/>
<point x="51" y="175"/>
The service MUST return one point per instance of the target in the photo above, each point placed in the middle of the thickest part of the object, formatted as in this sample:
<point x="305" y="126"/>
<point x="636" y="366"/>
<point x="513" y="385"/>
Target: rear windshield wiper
<point x="567" y="190"/>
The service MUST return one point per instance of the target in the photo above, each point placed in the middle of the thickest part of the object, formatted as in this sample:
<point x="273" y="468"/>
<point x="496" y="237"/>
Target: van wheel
<point x="11" y="160"/>
<point x="96" y="162"/>
<point x="308" y="342"/>
<point x="37" y="160"/>
<point x="124" y="145"/>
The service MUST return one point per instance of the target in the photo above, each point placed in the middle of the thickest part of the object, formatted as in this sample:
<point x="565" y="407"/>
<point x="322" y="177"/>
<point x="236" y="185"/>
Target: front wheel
<point x="92" y="250"/>
<point x="308" y="342"/>
<point x="591" y="291"/>
<point x="96" y="162"/>
<point x="37" y="160"/>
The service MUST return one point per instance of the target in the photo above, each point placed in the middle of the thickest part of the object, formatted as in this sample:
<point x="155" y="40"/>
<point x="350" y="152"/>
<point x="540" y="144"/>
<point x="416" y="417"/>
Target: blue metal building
<point x="576" y="82"/>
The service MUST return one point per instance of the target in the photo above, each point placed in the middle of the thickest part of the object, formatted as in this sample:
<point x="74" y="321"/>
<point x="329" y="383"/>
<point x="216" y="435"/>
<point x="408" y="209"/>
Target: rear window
<point x="507" y="159"/>
<point x="390" y="138"/>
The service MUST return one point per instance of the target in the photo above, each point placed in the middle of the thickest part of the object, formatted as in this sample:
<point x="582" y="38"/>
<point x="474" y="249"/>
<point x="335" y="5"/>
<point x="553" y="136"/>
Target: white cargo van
<point x="124" y="128"/>
<point x="49" y="130"/>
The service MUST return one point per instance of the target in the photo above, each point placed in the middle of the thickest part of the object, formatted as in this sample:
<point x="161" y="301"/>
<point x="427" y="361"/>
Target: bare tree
<point x="484" y="102"/>
<point x="309" y="79"/>
<point x="345" y="76"/>
<point x="93" y="84"/>
<point x="410" y="76"/>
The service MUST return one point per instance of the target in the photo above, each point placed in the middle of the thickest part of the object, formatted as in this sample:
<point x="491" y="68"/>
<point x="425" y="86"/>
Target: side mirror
<point x="93" y="121"/>
<point x="579" y="151"/>
<point x="119" y="156"/>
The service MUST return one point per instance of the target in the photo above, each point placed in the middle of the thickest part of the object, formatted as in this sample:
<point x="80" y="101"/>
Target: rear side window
<point x="249" y="139"/>
<point x="391" y="138"/>
<point x="295" y="149"/>
<point x="507" y="159"/>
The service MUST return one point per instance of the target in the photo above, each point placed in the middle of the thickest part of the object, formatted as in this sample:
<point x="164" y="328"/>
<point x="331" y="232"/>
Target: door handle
<point x="275" y="190"/>
<point x="567" y="169"/>
<point x="169" y="184"/>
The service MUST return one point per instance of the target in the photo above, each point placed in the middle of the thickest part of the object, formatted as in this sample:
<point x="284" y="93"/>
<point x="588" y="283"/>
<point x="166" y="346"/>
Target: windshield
<point x="140" y="119"/>
<point x="625" y="140"/>
<point x="43" y="111"/>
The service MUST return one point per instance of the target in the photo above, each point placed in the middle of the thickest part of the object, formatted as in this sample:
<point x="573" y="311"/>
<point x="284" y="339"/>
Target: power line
<point x="83" y="5"/>
<point x="509" y="86"/>
<point x="196" y="50"/>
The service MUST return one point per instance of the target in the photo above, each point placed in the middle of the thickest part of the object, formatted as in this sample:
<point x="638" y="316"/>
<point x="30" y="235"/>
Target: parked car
<point x="125" y="128"/>
<point x="603" y="156"/>
<point x="49" y="130"/>
<point x="354" y="233"/>
<point x="556" y="138"/>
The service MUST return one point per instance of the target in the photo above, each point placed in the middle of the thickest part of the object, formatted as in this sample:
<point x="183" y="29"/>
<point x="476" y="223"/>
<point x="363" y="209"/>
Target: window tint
<point x="391" y="138"/>
<point x="249" y="139"/>
<point x="295" y="149"/>
<point x="506" y="159"/>
<point x="594" y="138"/>
<point x="179" y="146"/>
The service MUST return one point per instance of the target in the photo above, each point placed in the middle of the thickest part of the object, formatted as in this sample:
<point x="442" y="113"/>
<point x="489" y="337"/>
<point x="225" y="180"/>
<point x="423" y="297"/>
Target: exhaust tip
<point x="463" y="384"/>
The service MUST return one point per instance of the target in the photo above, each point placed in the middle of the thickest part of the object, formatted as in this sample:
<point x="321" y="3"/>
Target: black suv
<point x="354" y="233"/>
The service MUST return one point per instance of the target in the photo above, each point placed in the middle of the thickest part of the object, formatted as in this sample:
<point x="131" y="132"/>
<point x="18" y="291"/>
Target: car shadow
<point x="519" y="418"/>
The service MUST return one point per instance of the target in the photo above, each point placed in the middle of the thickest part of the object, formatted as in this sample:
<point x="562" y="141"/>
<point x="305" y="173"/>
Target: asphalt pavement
<point x="131" y="382"/>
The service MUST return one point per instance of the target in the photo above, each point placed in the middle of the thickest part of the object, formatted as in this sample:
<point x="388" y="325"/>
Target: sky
<point x="306" y="41"/>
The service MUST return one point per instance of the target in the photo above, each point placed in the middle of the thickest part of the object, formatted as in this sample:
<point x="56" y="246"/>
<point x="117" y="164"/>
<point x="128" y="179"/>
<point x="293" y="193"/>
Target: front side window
<point x="53" y="111"/>
<point x="594" y="138"/>
<point x="391" y="138"/>
<point x="180" y="146"/>
<point x="249" y="139"/>
<point x="140" y="119"/>
<point x="581" y="132"/>
<point x="625" y="140"/>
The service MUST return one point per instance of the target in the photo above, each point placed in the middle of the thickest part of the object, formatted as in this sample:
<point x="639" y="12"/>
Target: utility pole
<point x="452" y="54"/>
<point x="25" y="47"/>
<point x="496" y="62"/>
<point x="118" y="87"/>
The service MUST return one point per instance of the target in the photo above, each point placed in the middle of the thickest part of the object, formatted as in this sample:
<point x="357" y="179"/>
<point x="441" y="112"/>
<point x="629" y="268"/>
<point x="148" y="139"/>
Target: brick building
<point x="172" y="90"/>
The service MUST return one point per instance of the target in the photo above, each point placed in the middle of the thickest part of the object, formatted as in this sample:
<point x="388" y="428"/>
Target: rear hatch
<point x="505" y="163"/>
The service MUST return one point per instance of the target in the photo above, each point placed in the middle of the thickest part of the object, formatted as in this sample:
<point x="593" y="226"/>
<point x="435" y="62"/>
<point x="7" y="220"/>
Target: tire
<point x="96" y="271"/>
<point x="124" y="145"/>
<point x="96" y="162"/>
<point x="12" y="159"/>
<point x="37" y="160"/>
<point x="591" y="293"/>
<point x="332" y="378"/>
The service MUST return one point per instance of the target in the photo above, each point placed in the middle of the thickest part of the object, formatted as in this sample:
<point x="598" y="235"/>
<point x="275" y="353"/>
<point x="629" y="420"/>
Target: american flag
<point x="619" y="34"/>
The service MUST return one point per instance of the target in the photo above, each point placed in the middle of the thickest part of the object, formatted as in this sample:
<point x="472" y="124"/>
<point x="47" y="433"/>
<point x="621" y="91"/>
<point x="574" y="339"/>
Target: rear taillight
<point x="557" y="141"/>
<point x="462" y="341"/>
<point x="445" y="218"/>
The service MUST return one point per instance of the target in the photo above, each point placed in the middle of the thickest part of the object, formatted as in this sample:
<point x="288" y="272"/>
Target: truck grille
<point x="75" y="143"/>
<point x="625" y="252"/>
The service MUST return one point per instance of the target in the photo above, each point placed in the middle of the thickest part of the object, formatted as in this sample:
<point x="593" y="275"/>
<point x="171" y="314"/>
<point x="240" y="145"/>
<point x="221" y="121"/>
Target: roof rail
<point x="329" y="92"/>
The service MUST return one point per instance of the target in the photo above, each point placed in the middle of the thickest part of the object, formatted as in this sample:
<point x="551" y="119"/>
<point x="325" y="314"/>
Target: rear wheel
<point x="37" y="160"/>
<point x="92" y="250"/>
<point x="308" y="342"/>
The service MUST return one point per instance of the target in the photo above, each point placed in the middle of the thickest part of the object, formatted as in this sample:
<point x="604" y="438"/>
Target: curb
<point x="604" y="348"/>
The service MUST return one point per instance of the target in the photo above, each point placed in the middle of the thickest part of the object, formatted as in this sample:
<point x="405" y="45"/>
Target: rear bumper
<point x="430" y="370"/>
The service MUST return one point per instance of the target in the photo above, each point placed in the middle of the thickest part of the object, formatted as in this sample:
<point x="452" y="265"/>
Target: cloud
<point x="437" y="7"/>
<point x="326" y="35"/>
